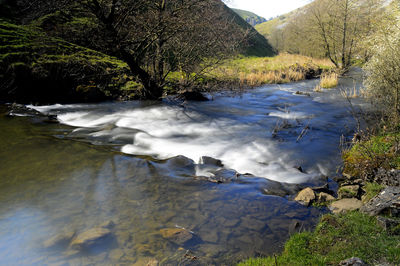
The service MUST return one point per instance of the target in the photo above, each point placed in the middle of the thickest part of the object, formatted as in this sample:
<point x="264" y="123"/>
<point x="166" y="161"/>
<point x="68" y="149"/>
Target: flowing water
<point x="140" y="167"/>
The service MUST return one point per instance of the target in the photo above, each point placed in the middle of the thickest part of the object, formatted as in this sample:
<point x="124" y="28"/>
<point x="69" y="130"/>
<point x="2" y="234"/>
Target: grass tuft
<point x="371" y="190"/>
<point x="329" y="80"/>
<point x="336" y="238"/>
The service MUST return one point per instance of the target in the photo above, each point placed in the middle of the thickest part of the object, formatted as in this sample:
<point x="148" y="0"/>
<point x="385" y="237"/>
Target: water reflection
<point x="51" y="187"/>
<point x="55" y="190"/>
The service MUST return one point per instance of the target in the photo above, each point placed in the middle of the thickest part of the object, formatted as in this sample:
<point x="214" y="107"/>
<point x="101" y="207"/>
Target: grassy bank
<point x="370" y="153"/>
<point x="337" y="237"/>
<point x="284" y="68"/>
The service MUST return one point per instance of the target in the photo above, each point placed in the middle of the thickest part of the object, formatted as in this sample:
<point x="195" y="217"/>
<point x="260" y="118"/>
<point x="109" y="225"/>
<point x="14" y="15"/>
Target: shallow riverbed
<point x="117" y="163"/>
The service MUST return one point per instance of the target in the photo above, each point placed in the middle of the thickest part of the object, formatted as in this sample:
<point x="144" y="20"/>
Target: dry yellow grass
<point x="255" y="71"/>
<point x="329" y="80"/>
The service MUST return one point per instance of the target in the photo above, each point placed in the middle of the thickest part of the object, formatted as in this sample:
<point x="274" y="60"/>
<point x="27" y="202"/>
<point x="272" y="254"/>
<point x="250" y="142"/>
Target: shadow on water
<point x="56" y="191"/>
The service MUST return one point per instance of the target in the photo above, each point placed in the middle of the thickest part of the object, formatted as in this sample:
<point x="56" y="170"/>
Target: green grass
<point x="266" y="28"/>
<point x="367" y="155"/>
<point x="371" y="190"/>
<point x="255" y="71"/>
<point x="337" y="237"/>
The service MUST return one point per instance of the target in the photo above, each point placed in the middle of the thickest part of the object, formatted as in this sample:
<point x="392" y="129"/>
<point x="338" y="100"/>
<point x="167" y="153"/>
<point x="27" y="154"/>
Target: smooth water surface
<point x="55" y="182"/>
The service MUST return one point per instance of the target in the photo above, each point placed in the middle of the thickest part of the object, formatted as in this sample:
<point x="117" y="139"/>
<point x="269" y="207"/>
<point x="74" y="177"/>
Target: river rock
<point x="353" y="262"/>
<point x="90" y="237"/>
<point x="192" y="96"/>
<point x="325" y="197"/>
<point x="176" y="235"/>
<point x="59" y="240"/>
<point x="387" y="223"/>
<point x="116" y="255"/>
<point x="146" y="262"/>
<point x="295" y="227"/>
<point x="346" y="192"/>
<point x="211" y="161"/>
<point x="306" y="196"/>
<point x="344" y="205"/>
<point x="387" y="177"/>
<point x="387" y="202"/>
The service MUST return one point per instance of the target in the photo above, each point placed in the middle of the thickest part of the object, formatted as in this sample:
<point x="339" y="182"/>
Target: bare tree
<point x="155" y="37"/>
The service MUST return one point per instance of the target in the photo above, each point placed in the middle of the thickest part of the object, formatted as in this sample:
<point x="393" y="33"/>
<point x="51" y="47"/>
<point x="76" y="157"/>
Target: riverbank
<point x="365" y="224"/>
<point x="39" y="69"/>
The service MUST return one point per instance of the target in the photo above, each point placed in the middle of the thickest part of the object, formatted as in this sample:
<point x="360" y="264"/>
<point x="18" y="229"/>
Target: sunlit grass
<point x="337" y="237"/>
<point x="329" y="80"/>
<point x="284" y="68"/>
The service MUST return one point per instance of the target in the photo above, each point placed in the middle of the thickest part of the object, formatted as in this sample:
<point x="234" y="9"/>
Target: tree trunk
<point x="152" y="90"/>
<point x="346" y="13"/>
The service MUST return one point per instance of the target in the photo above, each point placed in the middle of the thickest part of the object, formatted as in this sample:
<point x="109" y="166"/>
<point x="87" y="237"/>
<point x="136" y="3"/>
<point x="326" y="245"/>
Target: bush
<point x="382" y="72"/>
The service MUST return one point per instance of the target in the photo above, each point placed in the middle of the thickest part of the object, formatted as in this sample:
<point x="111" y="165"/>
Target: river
<point x="139" y="167"/>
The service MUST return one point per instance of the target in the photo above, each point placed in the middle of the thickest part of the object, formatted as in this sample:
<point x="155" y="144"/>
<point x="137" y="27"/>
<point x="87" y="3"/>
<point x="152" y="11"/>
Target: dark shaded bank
<point x="35" y="68"/>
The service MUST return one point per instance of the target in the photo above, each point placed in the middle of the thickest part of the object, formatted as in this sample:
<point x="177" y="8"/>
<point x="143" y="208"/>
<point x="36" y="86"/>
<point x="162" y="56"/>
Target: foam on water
<point x="237" y="130"/>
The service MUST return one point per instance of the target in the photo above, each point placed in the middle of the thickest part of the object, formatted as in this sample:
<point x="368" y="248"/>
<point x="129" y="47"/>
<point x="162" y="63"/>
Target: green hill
<point x="249" y="17"/>
<point x="257" y="44"/>
<point x="266" y="28"/>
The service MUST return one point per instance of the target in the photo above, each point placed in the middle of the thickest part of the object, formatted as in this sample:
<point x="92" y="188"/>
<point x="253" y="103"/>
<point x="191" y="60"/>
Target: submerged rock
<point x="192" y="96"/>
<point x="177" y="235"/>
<point x="387" y="203"/>
<point x="344" y="205"/>
<point x="90" y="237"/>
<point x="59" y="240"/>
<point x="306" y="196"/>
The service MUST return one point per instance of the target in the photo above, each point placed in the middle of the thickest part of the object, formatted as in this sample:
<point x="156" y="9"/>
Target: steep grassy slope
<point x="257" y="45"/>
<point x="38" y="68"/>
<point x="266" y="28"/>
<point x="250" y="17"/>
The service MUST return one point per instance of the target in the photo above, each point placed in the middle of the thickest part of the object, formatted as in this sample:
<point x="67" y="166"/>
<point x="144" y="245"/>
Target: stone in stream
<point x="211" y="161"/>
<point x="306" y="196"/>
<point x="387" y="202"/>
<point x="59" y="240"/>
<point x="176" y="235"/>
<point x="116" y="255"/>
<point x="93" y="236"/>
<point x="351" y="191"/>
<point x="90" y="237"/>
<point x="325" y="197"/>
<point x="344" y="205"/>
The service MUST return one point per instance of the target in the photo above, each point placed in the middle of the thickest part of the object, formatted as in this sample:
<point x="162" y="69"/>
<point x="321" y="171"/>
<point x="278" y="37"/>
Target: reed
<point x="256" y="71"/>
<point x="329" y="80"/>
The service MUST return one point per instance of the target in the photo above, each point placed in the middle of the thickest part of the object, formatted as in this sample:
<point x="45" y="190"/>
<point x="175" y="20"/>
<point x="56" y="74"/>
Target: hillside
<point x="249" y="17"/>
<point x="257" y="44"/>
<point x="266" y="27"/>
